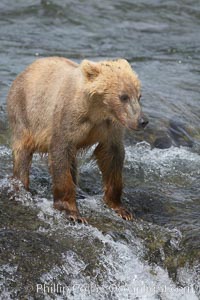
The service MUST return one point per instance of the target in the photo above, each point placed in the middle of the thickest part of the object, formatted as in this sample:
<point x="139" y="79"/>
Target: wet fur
<point x="59" y="107"/>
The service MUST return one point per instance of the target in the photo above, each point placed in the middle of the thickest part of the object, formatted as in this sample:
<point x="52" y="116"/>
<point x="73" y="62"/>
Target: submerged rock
<point x="180" y="133"/>
<point x="163" y="134"/>
<point x="39" y="246"/>
<point x="162" y="142"/>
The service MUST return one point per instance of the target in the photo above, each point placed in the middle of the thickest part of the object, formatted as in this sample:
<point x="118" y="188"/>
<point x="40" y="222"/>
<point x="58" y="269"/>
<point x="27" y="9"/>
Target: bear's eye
<point x="124" y="98"/>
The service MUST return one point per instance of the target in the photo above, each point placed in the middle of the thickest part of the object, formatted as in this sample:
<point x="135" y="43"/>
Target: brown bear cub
<point x="59" y="107"/>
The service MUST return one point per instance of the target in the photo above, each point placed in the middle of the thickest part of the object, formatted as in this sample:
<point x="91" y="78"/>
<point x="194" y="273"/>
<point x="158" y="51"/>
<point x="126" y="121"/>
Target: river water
<point x="157" y="256"/>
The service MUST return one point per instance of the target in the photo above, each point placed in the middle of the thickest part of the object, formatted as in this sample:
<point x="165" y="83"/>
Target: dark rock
<point x="180" y="133"/>
<point x="163" y="142"/>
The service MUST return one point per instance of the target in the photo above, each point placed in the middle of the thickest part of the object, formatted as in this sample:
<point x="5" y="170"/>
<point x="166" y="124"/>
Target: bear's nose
<point x="143" y="121"/>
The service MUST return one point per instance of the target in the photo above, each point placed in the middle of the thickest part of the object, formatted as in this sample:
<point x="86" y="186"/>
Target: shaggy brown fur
<point x="59" y="107"/>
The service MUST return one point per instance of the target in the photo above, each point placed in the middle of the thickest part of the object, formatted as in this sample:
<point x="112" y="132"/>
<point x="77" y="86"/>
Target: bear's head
<point x="114" y="91"/>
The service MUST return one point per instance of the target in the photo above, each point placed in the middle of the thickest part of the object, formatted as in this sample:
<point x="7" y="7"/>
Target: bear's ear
<point x="90" y="69"/>
<point x="123" y="62"/>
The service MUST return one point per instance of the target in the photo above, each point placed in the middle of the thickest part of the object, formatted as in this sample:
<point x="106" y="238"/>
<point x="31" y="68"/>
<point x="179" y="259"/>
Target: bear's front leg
<point x="63" y="169"/>
<point x="110" y="158"/>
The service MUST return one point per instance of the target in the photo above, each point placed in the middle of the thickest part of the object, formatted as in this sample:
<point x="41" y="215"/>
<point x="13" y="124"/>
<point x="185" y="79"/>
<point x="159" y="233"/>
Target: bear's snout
<point x="137" y="124"/>
<point x="142" y="122"/>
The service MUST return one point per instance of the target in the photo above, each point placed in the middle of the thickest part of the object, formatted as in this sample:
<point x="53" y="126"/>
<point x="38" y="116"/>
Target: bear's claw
<point x="78" y="219"/>
<point x="72" y="215"/>
<point x="124" y="214"/>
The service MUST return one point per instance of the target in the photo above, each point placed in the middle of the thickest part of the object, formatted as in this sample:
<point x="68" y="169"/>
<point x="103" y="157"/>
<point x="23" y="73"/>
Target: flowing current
<point x="156" y="256"/>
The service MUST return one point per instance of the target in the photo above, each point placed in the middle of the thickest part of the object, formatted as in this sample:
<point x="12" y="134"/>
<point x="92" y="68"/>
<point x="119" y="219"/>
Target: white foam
<point x="5" y="151"/>
<point x="162" y="162"/>
<point x="143" y="153"/>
